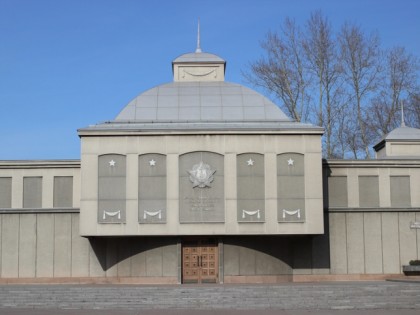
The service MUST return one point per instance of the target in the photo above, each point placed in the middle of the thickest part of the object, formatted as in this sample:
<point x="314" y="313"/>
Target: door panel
<point x="200" y="262"/>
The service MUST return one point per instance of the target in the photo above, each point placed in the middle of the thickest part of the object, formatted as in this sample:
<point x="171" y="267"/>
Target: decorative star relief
<point x="201" y="175"/>
<point x="152" y="162"/>
<point x="112" y="163"/>
<point x="250" y="162"/>
<point x="290" y="162"/>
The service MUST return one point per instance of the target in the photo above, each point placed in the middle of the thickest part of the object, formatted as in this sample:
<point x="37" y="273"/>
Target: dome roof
<point x="200" y="102"/>
<point x="198" y="57"/>
<point x="403" y="133"/>
<point x="400" y="134"/>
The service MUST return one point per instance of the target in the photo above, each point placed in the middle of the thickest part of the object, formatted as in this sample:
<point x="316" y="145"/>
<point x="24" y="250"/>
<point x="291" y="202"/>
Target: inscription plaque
<point x="202" y="203"/>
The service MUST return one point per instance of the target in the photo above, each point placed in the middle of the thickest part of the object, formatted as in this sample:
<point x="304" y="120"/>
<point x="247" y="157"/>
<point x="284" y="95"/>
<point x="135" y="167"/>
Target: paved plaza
<point x="352" y="298"/>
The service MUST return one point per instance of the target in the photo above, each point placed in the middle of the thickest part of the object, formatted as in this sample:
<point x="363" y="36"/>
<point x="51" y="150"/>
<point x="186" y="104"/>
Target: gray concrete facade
<point x="358" y="241"/>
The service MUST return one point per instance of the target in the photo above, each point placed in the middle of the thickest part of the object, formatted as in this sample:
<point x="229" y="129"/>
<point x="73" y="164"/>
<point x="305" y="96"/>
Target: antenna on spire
<point x="198" y="49"/>
<point x="402" y="114"/>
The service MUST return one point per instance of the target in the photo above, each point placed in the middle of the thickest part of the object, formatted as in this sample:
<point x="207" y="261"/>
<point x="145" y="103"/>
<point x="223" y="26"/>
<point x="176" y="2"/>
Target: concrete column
<point x="132" y="202"/>
<point x="47" y="190"/>
<point x="338" y="243"/>
<point x="270" y="175"/>
<point x="27" y="245"/>
<point x="76" y="188"/>
<point x="17" y="190"/>
<point x="45" y="245"/>
<point x="415" y="187"/>
<point x="89" y="194"/>
<point x="353" y="188"/>
<point x="172" y="193"/>
<point x="390" y="243"/>
<point x="10" y="246"/>
<point x="384" y="188"/>
<point x="230" y="183"/>
<point x="221" y="261"/>
<point x="355" y="243"/>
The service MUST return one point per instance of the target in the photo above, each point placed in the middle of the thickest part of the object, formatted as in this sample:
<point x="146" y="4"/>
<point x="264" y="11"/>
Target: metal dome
<point x="201" y="102"/>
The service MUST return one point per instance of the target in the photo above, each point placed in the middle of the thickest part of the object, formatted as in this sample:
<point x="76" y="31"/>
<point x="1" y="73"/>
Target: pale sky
<point x="66" y="64"/>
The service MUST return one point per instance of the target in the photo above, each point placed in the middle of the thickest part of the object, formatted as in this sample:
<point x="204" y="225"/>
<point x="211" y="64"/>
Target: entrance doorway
<point x="200" y="261"/>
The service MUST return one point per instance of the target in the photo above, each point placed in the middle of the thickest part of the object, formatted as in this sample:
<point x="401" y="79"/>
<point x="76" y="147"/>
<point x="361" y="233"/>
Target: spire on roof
<point x="402" y="114"/>
<point x="198" y="49"/>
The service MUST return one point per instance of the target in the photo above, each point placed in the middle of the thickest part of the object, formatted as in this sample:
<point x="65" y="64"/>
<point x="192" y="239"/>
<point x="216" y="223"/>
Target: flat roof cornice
<point x="4" y="164"/>
<point x="188" y="128"/>
<point x="413" y="162"/>
<point x="129" y="132"/>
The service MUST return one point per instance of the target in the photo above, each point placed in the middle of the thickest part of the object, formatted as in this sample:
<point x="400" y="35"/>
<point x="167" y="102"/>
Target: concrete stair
<point x="316" y="296"/>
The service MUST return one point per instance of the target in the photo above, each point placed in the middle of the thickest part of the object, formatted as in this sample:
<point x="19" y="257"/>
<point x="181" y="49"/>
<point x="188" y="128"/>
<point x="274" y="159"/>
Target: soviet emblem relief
<point x="201" y="175"/>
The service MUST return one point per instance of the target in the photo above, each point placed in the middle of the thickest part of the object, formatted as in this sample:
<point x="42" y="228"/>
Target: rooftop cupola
<point x="402" y="142"/>
<point x="198" y="66"/>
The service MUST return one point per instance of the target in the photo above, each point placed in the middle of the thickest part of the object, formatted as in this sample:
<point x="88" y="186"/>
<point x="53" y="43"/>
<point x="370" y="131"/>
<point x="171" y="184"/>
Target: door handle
<point x="200" y="259"/>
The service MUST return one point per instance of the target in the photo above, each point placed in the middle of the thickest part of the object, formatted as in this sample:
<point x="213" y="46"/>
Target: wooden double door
<point x="200" y="261"/>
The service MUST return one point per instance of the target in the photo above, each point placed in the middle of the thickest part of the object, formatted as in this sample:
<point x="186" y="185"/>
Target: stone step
<point x="353" y="295"/>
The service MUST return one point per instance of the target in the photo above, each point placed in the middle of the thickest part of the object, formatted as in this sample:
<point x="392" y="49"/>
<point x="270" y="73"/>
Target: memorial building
<point x="205" y="181"/>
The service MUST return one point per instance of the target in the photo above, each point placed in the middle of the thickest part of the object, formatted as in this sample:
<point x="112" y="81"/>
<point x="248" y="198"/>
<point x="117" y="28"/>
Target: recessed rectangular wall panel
<point x="111" y="188"/>
<point x="373" y="242"/>
<point x="338" y="243"/>
<point x="154" y="262"/>
<point x="400" y="191"/>
<point x="390" y="242"/>
<point x="32" y="192"/>
<point x="10" y="246"/>
<point x="45" y="245"/>
<point x="62" y="245"/>
<point x="355" y="243"/>
<point x="123" y="255"/>
<point x="79" y="250"/>
<point x="27" y="245"/>
<point x="407" y="237"/>
<point x="5" y="192"/>
<point x="250" y="187"/>
<point x="231" y="259"/>
<point x="368" y="191"/>
<point x="138" y="259"/>
<point x="63" y="192"/>
<point x="152" y="188"/>
<point x="291" y="187"/>
<point x="337" y="191"/>
<point x="170" y="261"/>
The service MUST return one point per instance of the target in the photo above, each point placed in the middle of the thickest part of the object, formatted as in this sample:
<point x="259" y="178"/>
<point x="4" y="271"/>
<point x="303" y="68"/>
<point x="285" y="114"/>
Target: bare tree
<point x="400" y="80"/>
<point x="343" y="134"/>
<point x="351" y="135"/>
<point x="361" y="62"/>
<point x="382" y="117"/>
<point x="318" y="46"/>
<point x="342" y="82"/>
<point x="412" y="109"/>
<point x="282" y="72"/>
<point x="323" y="62"/>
